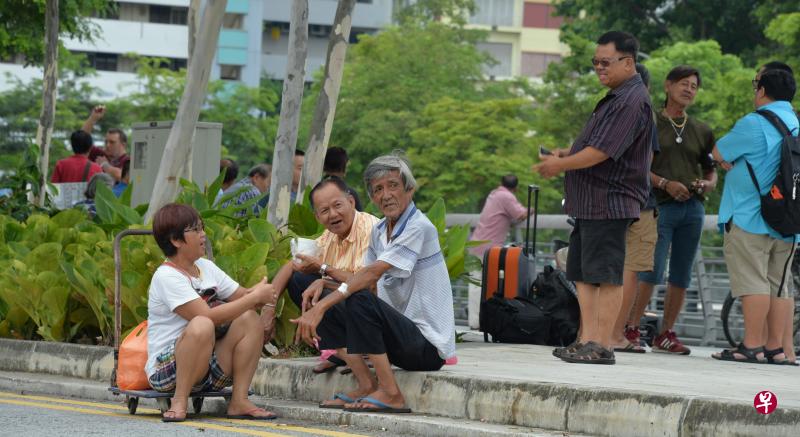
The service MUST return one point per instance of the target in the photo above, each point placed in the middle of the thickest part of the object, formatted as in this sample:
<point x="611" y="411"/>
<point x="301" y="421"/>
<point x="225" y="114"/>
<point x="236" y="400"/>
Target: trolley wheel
<point x="197" y="403"/>
<point x="132" y="404"/>
<point x="164" y="404"/>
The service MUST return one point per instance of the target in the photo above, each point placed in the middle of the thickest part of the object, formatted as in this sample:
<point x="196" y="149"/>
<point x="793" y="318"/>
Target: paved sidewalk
<point x="522" y="385"/>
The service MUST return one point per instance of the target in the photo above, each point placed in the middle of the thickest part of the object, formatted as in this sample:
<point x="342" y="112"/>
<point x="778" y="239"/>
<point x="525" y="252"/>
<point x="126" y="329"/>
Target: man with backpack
<point x="759" y="195"/>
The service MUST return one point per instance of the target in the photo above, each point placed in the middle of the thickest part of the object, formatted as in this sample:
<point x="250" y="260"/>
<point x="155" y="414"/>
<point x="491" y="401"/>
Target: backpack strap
<point x="753" y="177"/>
<point x="775" y="121"/>
<point x="86" y="171"/>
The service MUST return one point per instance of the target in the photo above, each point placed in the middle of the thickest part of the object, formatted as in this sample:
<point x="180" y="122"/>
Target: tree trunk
<point x="179" y="142"/>
<point x="286" y="140"/>
<point x="325" y="109"/>
<point x="44" y="132"/>
<point x="193" y="19"/>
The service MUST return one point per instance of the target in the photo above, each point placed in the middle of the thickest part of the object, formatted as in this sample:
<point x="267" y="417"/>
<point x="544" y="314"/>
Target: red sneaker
<point x="668" y="343"/>
<point x="632" y="334"/>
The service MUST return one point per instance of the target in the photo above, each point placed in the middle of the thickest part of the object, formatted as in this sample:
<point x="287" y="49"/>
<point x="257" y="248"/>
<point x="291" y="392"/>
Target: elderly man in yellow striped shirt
<point x="341" y="253"/>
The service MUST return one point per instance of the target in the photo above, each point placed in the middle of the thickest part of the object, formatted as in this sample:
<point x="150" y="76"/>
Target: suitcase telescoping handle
<point x="531" y="248"/>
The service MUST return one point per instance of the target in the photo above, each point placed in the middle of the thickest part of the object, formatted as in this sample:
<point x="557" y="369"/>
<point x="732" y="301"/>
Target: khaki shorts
<point x="755" y="263"/>
<point x="640" y="242"/>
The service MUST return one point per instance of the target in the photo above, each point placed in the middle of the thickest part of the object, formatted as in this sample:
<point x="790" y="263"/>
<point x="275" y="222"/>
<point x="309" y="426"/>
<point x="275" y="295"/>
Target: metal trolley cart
<point x="132" y="396"/>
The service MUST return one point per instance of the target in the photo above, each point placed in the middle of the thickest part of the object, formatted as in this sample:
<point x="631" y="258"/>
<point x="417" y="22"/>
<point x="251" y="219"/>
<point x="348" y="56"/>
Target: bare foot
<point x="395" y="401"/>
<point x="246" y="407"/>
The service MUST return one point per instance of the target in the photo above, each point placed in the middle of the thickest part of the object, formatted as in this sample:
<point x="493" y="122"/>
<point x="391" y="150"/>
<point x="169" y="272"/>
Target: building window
<point x="168" y="15"/>
<point x="173" y="64"/>
<point x="540" y="15"/>
<point x="230" y="72"/>
<point x="501" y="53"/>
<point x="535" y="64"/>
<point x="233" y="21"/>
<point x="493" y="13"/>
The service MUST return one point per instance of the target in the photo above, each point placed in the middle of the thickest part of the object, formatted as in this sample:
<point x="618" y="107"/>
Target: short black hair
<point x="122" y="137"/>
<point x="170" y="222"/>
<point x="335" y="160"/>
<point x="509" y="181"/>
<point x="329" y="180"/>
<point x="298" y="152"/>
<point x="778" y="84"/>
<point x="81" y="142"/>
<point x="644" y="73"/>
<point x="233" y="170"/>
<point x="778" y="65"/>
<point x="624" y="42"/>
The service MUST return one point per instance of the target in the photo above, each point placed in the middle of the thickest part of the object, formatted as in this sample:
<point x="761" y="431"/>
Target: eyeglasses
<point x="755" y="84"/>
<point x="197" y="227"/>
<point x="606" y="62"/>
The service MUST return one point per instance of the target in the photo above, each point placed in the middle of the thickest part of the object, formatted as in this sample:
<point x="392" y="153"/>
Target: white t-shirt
<point x="170" y="289"/>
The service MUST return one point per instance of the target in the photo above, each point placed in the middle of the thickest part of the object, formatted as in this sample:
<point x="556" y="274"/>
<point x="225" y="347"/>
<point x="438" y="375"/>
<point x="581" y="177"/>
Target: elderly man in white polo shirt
<point x="398" y="309"/>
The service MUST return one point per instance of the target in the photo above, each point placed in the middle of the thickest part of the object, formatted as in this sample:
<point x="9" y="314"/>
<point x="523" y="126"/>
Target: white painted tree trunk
<point x="325" y="109"/>
<point x="44" y="132"/>
<point x="193" y="20"/>
<point x="179" y="142"/>
<point x="286" y="139"/>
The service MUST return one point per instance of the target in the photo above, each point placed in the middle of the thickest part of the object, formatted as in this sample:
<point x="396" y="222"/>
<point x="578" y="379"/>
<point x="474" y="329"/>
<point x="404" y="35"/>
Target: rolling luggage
<point x="506" y="312"/>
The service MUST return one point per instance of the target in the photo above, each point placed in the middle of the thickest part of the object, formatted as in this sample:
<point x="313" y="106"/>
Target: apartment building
<point x="523" y="36"/>
<point x="253" y="40"/>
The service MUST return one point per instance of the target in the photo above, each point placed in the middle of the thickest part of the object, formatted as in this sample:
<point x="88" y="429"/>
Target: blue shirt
<point x="119" y="188"/>
<point x="757" y="141"/>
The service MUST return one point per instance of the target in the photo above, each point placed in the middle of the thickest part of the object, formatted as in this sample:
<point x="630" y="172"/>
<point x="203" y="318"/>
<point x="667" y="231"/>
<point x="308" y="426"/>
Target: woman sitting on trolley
<point x="192" y="346"/>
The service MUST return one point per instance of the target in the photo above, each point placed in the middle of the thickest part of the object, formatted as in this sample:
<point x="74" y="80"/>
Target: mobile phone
<point x="544" y="151"/>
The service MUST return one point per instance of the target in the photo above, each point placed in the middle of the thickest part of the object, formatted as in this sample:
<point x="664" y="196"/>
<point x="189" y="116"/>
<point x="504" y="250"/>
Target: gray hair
<point x="91" y="187"/>
<point x="263" y="170"/>
<point x="382" y="165"/>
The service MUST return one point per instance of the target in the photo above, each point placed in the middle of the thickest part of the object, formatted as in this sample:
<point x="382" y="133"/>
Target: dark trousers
<point x="365" y="324"/>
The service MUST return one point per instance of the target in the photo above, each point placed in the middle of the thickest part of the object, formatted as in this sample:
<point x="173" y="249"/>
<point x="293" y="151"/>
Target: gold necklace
<point x="676" y="126"/>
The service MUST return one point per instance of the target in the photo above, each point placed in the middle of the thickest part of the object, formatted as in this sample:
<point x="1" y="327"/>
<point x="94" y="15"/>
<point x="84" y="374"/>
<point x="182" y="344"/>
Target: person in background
<point x="76" y="168"/>
<point x="682" y="174"/>
<point x="297" y="171"/>
<point x="243" y="189"/>
<point x="115" y="154"/>
<point x="336" y="165"/>
<point x="122" y="184"/>
<point x="91" y="190"/>
<point x="756" y="255"/>
<point x="500" y="211"/>
<point x="261" y="177"/>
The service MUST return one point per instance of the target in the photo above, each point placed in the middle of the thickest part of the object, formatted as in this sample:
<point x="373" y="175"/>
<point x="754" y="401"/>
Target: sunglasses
<point x="607" y="62"/>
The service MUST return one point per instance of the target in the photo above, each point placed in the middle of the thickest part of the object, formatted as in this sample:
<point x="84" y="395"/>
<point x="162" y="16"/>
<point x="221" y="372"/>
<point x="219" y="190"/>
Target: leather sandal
<point x="590" y="353"/>
<point x="557" y="352"/>
<point x="750" y="354"/>
<point x="770" y="354"/>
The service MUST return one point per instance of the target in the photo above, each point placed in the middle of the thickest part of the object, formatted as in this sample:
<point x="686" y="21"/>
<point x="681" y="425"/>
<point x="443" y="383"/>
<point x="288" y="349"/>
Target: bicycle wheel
<point x="732" y="320"/>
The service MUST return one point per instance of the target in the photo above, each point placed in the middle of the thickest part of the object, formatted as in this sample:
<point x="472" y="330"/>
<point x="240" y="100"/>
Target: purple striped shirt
<point x="621" y="126"/>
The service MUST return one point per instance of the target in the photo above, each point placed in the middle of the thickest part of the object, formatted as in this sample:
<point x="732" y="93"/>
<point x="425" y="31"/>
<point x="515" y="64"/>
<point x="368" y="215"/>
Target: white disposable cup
<point x="303" y="246"/>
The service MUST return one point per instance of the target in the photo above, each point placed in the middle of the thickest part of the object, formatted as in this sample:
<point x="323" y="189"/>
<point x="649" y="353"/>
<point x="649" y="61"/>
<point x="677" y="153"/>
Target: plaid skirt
<point x="163" y="379"/>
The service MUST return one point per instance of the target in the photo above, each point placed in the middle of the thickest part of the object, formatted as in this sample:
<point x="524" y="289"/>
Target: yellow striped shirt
<point x="348" y="253"/>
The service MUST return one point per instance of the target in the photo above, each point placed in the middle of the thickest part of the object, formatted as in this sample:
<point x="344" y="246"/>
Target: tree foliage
<point x="738" y="26"/>
<point x="22" y="32"/>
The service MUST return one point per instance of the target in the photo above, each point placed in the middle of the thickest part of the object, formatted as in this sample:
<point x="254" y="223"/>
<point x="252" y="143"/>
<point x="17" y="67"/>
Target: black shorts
<point x="597" y="251"/>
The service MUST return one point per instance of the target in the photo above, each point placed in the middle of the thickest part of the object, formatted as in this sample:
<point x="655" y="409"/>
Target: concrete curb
<point x="576" y="409"/>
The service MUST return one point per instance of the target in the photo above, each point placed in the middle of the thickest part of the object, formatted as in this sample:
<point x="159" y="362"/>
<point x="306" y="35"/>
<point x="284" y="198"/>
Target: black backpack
<point x="555" y="295"/>
<point x="780" y="207"/>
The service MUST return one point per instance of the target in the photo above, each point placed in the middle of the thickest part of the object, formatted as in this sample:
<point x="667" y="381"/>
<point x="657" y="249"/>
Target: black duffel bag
<point x="516" y="320"/>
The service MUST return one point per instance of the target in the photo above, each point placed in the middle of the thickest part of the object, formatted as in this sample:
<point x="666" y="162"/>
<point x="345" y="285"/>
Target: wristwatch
<point x="322" y="269"/>
<point x="342" y="288"/>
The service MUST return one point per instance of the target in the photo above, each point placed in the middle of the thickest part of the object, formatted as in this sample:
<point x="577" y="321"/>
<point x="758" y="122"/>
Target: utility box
<point x="148" y="142"/>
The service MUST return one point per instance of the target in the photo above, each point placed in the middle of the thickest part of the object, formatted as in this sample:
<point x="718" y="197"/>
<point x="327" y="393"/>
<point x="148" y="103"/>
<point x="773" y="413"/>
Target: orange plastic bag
<point x="132" y="359"/>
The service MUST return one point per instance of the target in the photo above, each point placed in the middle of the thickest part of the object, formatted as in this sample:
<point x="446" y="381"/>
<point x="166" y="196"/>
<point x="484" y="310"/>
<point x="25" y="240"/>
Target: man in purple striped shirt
<point x="606" y="185"/>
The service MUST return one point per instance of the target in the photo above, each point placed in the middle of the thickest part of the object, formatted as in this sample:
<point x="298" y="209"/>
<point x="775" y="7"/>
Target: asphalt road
<point x="47" y="416"/>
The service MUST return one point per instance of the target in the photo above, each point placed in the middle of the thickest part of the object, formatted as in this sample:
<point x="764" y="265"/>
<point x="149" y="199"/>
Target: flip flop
<point x="630" y="348"/>
<point x="329" y="367"/>
<point x="173" y="419"/>
<point x="248" y="415"/>
<point x="382" y="407"/>
<point x="341" y="396"/>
